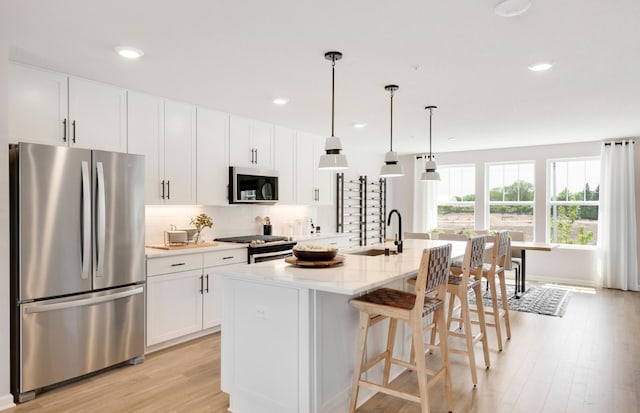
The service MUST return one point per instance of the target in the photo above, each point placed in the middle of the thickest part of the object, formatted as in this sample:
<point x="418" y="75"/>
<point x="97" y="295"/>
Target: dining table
<point x="523" y="247"/>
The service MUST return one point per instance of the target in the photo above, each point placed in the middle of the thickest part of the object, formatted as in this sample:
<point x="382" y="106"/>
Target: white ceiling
<point x="236" y="56"/>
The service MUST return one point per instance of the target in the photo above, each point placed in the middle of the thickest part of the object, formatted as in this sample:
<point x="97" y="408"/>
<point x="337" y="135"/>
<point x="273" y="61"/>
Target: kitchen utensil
<point x="176" y="237"/>
<point x="190" y="232"/>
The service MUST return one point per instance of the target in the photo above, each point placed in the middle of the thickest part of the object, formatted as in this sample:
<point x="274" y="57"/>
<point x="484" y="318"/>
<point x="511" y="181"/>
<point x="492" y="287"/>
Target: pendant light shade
<point x="430" y="173"/>
<point x="333" y="158"/>
<point x="391" y="167"/>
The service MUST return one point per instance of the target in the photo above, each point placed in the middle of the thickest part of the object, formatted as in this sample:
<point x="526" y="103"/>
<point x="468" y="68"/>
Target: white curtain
<point x="425" y="208"/>
<point x="617" y="241"/>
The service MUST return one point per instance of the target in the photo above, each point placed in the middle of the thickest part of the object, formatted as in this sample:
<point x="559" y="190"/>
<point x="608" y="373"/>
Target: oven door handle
<point x="270" y="254"/>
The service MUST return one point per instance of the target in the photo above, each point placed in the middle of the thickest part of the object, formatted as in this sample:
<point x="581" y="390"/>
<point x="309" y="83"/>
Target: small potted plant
<point x="201" y="222"/>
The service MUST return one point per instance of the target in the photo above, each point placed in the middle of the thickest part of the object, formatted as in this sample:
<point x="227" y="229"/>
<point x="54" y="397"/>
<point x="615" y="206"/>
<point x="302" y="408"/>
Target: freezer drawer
<point x="73" y="336"/>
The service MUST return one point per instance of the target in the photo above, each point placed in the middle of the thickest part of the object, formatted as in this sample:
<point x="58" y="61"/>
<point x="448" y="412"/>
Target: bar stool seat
<point x="397" y="305"/>
<point x="388" y="297"/>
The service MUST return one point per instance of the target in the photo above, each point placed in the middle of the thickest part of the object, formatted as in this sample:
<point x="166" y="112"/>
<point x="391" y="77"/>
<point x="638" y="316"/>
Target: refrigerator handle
<point x="101" y="221"/>
<point x="42" y="308"/>
<point x="86" y="220"/>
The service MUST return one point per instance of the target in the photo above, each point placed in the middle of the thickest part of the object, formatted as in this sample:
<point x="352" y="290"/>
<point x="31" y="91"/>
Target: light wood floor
<point x="588" y="361"/>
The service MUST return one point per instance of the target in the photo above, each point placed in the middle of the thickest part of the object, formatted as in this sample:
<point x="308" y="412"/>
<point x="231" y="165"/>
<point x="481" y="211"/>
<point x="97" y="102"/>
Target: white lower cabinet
<point x="184" y="294"/>
<point x="174" y="305"/>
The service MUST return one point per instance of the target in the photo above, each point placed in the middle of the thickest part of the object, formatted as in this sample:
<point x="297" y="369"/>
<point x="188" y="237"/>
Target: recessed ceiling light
<point x="280" y="101"/>
<point x="540" y="67"/>
<point x="129" y="52"/>
<point x="359" y="125"/>
<point x="511" y="8"/>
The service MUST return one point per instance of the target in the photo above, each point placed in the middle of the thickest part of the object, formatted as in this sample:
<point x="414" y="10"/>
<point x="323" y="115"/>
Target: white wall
<point x="6" y="400"/>
<point x="565" y="264"/>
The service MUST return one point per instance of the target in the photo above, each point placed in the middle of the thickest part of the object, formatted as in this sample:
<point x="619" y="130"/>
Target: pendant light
<point x="430" y="173"/>
<point x="333" y="159"/>
<point x="391" y="167"/>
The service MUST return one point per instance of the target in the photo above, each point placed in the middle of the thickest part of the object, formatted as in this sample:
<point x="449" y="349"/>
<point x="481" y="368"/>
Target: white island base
<point x="289" y="335"/>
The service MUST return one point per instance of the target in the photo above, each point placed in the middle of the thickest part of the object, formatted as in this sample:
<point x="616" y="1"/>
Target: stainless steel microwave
<point x="252" y="186"/>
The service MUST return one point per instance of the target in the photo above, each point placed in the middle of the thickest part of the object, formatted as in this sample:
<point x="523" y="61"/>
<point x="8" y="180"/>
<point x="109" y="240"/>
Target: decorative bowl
<point x="312" y="252"/>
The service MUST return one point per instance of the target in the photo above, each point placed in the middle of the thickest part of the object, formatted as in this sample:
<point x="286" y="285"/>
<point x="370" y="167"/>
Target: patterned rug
<point x="537" y="299"/>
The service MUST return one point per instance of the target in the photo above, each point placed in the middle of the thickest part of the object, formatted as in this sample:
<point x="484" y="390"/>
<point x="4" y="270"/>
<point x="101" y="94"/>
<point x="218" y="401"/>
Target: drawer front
<point x="226" y="257"/>
<point x="175" y="263"/>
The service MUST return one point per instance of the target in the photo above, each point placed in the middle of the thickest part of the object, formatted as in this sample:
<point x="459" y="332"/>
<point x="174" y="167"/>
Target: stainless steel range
<point x="264" y="247"/>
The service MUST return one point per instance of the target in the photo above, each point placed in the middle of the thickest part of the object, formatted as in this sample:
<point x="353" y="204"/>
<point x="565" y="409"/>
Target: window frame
<point x="549" y="203"/>
<point x="460" y="203"/>
<point x="489" y="202"/>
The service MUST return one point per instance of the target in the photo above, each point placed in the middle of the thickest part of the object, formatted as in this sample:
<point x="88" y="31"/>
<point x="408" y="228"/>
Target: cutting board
<point x="338" y="259"/>
<point x="182" y="246"/>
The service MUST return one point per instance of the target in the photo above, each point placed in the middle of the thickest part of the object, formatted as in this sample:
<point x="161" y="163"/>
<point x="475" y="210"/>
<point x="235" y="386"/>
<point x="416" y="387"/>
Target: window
<point x="574" y="189"/>
<point x="511" y="195"/>
<point x="456" y="198"/>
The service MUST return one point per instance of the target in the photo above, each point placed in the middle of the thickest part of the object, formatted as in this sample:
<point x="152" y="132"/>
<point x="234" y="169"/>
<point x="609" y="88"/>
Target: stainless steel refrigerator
<point x="77" y="263"/>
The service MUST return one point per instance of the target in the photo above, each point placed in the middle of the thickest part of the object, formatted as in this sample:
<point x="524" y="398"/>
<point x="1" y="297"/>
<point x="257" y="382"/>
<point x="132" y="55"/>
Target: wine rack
<point x="361" y="209"/>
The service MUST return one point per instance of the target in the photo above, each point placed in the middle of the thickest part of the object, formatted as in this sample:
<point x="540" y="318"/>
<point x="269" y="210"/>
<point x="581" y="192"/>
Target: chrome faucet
<point x="398" y="240"/>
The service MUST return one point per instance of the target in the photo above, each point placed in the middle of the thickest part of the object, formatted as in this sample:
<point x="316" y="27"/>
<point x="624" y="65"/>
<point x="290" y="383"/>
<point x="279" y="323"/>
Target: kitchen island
<point x="289" y="334"/>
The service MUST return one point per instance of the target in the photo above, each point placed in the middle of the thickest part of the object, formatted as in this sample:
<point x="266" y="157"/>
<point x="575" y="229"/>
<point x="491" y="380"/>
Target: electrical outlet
<point x="261" y="311"/>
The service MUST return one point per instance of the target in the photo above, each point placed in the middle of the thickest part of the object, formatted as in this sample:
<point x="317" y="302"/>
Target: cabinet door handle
<point x="201" y="284"/>
<point x="256" y="155"/>
<point x="64" y="130"/>
<point x="227" y="258"/>
<point x="207" y="289"/>
<point x="162" y="196"/>
<point x="178" y="264"/>
<point x="73" y="124"/>
<point x="168" y="189"/>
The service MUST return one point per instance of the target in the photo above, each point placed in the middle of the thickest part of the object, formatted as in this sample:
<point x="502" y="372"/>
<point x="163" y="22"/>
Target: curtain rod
<point x="619" y="143"/>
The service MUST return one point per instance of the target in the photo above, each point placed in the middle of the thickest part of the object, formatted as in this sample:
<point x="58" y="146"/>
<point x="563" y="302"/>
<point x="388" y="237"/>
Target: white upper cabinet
<point x="165" y="133"/>
<point x="250" y="143"/>
<point x="313" y="186"/>
<point x="263" y="144"/>
<point x="146" y="137"/>
<point x="54" y="109"/>
<point x="212" y="157"/>
<point x="98" y="114"/>
<point x="284" y="163"/>
<point x="305" y="169"/>
<point x="179" y="153"/>
<point x="324" y="179"/>
<point x="37" y="106"/>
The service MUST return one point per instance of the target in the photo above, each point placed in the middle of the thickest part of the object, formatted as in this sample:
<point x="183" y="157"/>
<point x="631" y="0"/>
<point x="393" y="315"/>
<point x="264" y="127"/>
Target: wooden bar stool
<point x="410" y="308"/>
<point x="466" y="276"/>
<point x="490" y="272"/>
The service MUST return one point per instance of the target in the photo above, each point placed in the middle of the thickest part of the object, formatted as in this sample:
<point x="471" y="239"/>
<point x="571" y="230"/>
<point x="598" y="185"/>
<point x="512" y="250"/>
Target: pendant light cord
<point x="333" y="86"/>
<point x="430" y="116"/>
<point x="391" y="125"/>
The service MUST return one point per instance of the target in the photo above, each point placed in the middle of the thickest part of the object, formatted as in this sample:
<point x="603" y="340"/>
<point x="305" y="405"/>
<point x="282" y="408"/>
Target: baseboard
<point x="558" y="280"/>
<point x="6" y="402"/>
<point x="180" y="340"/>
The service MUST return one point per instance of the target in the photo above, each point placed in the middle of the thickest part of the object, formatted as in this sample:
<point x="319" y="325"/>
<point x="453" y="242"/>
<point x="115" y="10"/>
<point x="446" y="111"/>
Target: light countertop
<point x="357" y="274"/>
<point x="221" y="246"/>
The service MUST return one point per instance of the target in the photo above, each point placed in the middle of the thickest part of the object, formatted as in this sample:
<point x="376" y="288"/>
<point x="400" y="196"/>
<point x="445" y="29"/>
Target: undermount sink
<point x="371" y="252"/>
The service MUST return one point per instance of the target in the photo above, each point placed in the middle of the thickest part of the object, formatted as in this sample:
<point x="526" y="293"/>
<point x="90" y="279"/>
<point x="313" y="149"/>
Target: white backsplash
<point x="236" y="220"/>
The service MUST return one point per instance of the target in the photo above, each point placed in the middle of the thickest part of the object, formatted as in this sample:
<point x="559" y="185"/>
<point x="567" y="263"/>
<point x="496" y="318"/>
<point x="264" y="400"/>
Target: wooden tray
<point x="182" y="246"/>
<point x="338" y="259"/>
